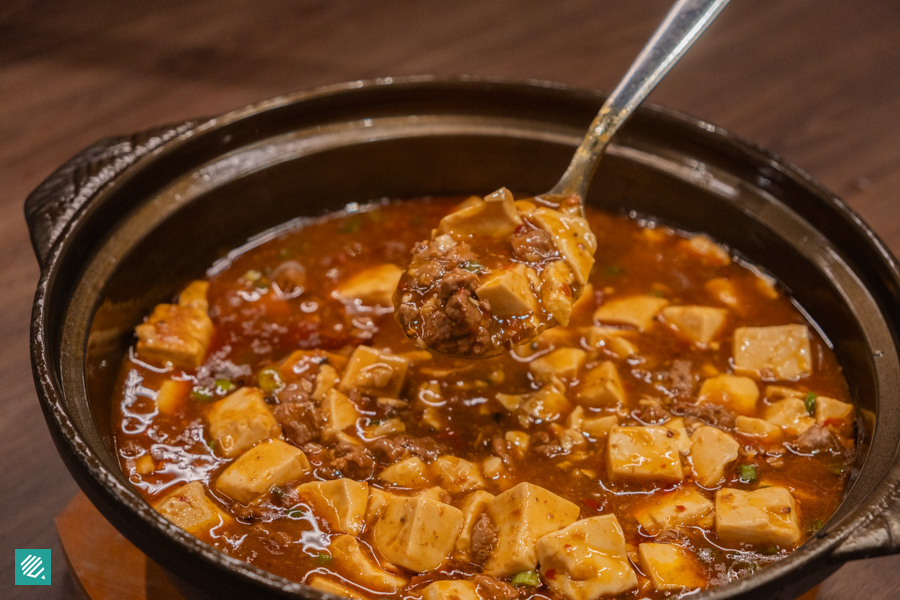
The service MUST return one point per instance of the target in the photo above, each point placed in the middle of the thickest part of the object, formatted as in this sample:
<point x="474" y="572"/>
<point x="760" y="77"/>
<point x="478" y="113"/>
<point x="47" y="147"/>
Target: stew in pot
<point x="684" y="428"/>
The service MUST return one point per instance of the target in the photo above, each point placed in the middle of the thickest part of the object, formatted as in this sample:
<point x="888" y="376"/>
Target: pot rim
<point x="105" y="487"/>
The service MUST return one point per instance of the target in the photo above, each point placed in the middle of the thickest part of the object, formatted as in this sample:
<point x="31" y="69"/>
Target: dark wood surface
<point x="817" y="81"/>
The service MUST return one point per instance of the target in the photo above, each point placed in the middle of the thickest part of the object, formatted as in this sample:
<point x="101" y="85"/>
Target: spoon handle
<point x="686" y="20"/>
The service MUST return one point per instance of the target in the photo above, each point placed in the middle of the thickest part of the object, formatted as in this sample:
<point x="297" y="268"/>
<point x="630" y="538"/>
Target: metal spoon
<point x="481" y="318"/>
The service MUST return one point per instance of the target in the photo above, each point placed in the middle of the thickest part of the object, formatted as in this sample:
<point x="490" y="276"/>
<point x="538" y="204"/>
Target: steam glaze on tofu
<point x="681" y="425"/>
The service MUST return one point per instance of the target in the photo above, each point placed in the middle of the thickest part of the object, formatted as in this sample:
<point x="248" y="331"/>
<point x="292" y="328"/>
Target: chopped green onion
<point x="252" y="276"/>
<point x="748" y="473"/>
<point x="284" y="253"/>
<point x="613" y="270"/>
<point x="352" y="224"/>
<point x="813" y="526"/>
<point x="211" y="443"/>
<point x="202" y="394"/>
<point x="324" y="559"/>
<point x="277" y="492"/>
<point x="270" y="380"/>
<point x="224" y="386"/>
<point x="810" y="403"/>
<point x="836" y="469"/>
<point x="295" y="514"/>
<point x="769" y="550"/>
<point x="472" y="266"/>
<point x="657" y="294"/>
<point x="527" y="578"/>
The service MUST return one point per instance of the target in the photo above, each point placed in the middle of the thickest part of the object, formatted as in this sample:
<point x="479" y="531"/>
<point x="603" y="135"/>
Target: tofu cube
<point x="683" y="507"/>
<point x="172" y="395"/>
<point x="773" y="353"/>
<point x="563" y="363"/>
<point x="791" y="415"/>
<point x="339" y="412"/>
<point x="736" y="392"/>
<point x="759" y="429"/>
<point x="682" y="439"/>
<point x="308" y="364"/>
<point x="671" y="568"/>
<point x="240" y="420"/>
<point x="324" y="584"/>
<point x="374" y="373"/>
<point x="417" y="533"/>
<point x="587" y="560"/>
<point x="723" y="290"/>
<point x="472" y="507"/>
<point x="178" y="334"/>
<point x="339" y="503"/>
<point x="764" y="516"/>
<point x="601" y="387"/>
<point x="643" y="454"/>
<point x="596" y="427"/>
<point x="637" y="311"/>
<point x="697" y="324"/>
<point x="832" y="411"/>
<point x="495" y="217"/>
<point x="712" y="452"/>
<point x="188" y="507"/>
<point x="411" y="473"/>
<point x="373" y="286"/>
<point x="269" y="463"/>
<point x="451" y="590"/>
<point x="573" y="237"/>
<point x="353" y="560"/>
<point x="706" y="250"/>
<point x="509" y="292"/>
<point x="556" y="291"/>
<point x="612" y="341"/>
<point x="456" y="474"/>
<point x="522" y="515"/>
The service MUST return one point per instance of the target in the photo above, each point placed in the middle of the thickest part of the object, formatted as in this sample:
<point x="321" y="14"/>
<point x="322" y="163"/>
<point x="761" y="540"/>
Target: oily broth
<point x="256" y="328"/>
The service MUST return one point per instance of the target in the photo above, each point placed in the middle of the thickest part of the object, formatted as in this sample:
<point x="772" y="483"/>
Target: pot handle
<point x="881" y="535"/>
<point x="51" y="207"/>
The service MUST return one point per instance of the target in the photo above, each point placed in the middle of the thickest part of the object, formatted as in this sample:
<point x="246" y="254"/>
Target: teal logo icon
<point x="33" y="567"/>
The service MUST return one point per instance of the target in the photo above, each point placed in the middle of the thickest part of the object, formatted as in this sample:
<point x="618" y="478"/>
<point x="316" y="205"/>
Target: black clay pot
<point x="125" y="223"/>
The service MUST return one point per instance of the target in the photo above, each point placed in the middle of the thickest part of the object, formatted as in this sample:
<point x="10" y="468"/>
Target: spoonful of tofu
<point x="498" y="271"/>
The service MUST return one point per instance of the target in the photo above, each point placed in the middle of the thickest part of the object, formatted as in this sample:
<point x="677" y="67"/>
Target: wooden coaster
<point x="106" y="566"/>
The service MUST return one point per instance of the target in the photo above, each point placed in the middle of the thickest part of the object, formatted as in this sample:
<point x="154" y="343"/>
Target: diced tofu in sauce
<point x="671" y="568"/>
<point x="189" y="508"/>
<point x="373" y="372"/>
<point x="564" y="363"/>
<point x="637" y="311"/>
<point x="509" y="292"/>
<point x="456" y="474"/>
<point x="767" y="515"/>
<point x="573" y="237"/>
<point x="269" y="463"/>
<point x="791" y="415"/>
<point x="698" y="324"/>
<point x="355" y="561"/>
<point x="339" y="503"/>
<point x="451" y="590"/>
<point x="417" y="533"/>
<point x="601" y="387"/>
<point x="736" y="392"/>
<point x="178" y="334"/>
<point x="522" y="515"/>
<point x="712" y="452"/>
<point x="240" y="420"/>
<point x="684" y="506"/>
<point x="410" y="472"/>
<point x="587" y="559"/>
<point x="495" y="216"/>
<point x="646" y="454"/>
<point x="324" y="584"/>
<point x="773" y="353"/>
<point x="373" y="286"/>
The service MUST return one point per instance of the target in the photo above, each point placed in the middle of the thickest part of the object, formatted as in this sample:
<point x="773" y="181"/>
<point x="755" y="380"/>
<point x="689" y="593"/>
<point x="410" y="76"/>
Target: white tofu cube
<point x="682" y="507"/>
<point x="496" y="216"/>
<point x="595" y="426"/>
<point x="353" y="560"/>
<point x="643" y="454"/>
<point x="177" y="333"/>
<point x="637" y="311"/>
<point x="509" y="292"/>
<point x="324" y="584"/>
<point x="712" y="452"/>
<point x="373" y="286"/>
<point x="340" y="503"/>
<point x="671" y="568"/>
<point x="451" y="590"/>
<point x="374" y="373"/>
<point x="573" y="237"/>
<point x="172" y="395"/>
<point x="736" y="392"/>
<point x="773" y="353"/>
<point x="240" y="420"/>
<point x="522" y="515"/>
<point x="601" y="387"/>
<point x="269" y="463"/>
<point x="791" y="415"/>
<point x="456" y="474"/>
<point x="411" y="473"/>
<point x="587" y="560"/>
<point x="563" y="363"/>
<point x="339" y="412"/>
<point x="759" y="429"/>
<point x="417" y="533"/>
<point x="764" y="516"/>
<point x="612" y="341"/>
<point x="188" y="507"/>
<point x="832" y="411"/>
<point x="556" y="291"/>
<point x="706" y="250"/>
<point x="682" y="438"/>
<point x="697" y="324"/>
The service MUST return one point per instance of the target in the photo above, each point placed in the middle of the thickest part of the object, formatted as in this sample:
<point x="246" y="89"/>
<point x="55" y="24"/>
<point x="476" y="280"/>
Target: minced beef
<point x="532" y="244"/>
<point x="300" y="421"/>
<point x="484" y="536"/>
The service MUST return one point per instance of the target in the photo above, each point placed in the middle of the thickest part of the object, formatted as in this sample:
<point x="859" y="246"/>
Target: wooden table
<point x="817" y="81"/>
